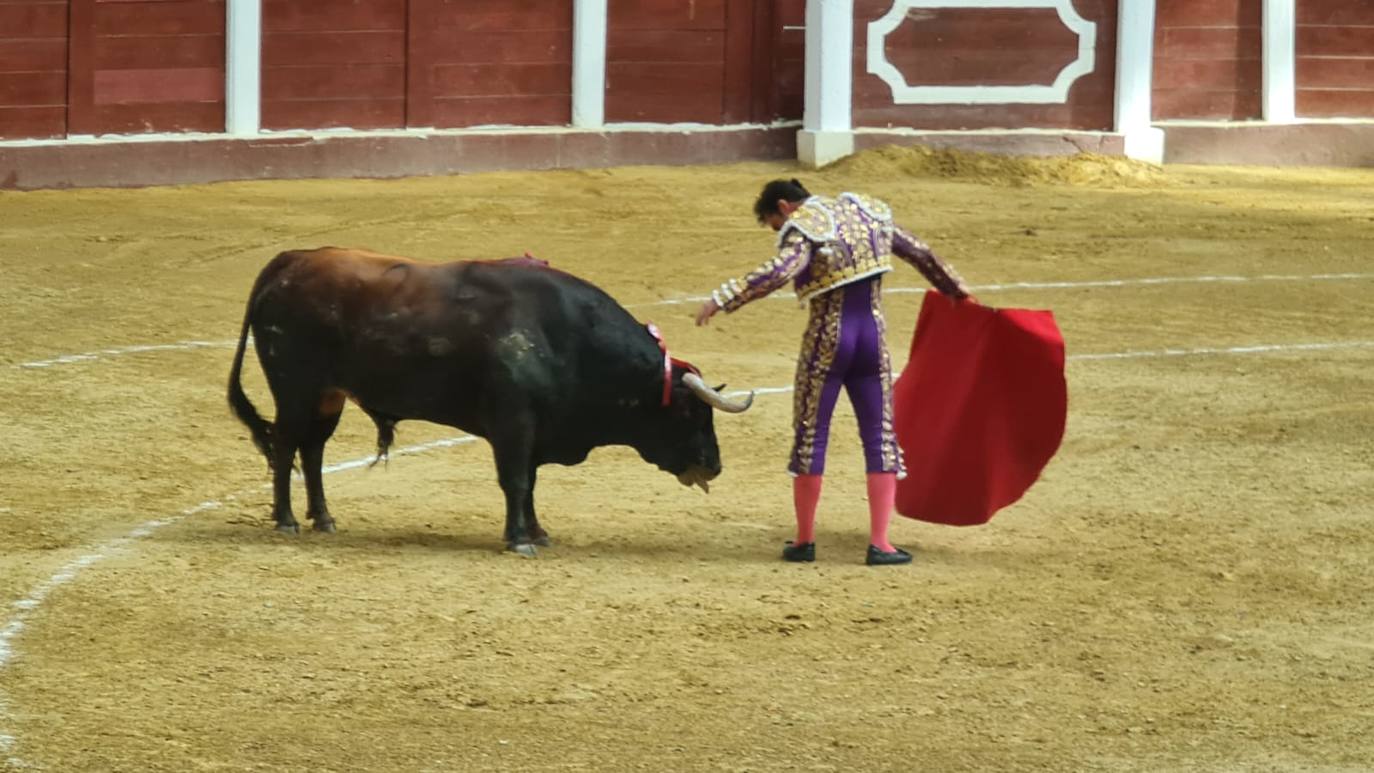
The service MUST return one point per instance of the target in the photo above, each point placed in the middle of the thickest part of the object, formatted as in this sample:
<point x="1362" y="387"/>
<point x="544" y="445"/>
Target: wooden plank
<point x="514" y="46"/>
<point x="170" y="117"/>
<point x="1208" y="43"/>
<point x="470" y="16"/>
<point x="34" y="54"/>
<point x="498" y="80"/>
<point x="33" y="20"/>
<point x="1209" y="13"/>
<point x="665" y="46"/>
<point x="329" y="16"/>
<point x="739" y="69"/>
<point x="187" y="17"/>
<point x="143" y="51"/>
<point x="1335" y="41"/>
<point x="33" y="89"/>
<point x="333" y="114"/>
<point x="317" y="48"/>
<point x="1355" y="74"/>
<point x="22" y="123"/>
<point x="81" y="117"/>
<point x="666" y="14"/>
<point x="159" y="85"/>
<point x="1207" y="75"/>
<point x="1323" y="103"/>
<point x="517" y="110"/>
<point x="1199" y="104"/>
<point x="1341" y="12"/>
<point x="349" y="81"/>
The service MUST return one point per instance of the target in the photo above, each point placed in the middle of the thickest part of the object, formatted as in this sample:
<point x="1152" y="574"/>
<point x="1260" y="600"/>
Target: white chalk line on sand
<point x="1088" y="284"/>
<point x="119" y="351"/>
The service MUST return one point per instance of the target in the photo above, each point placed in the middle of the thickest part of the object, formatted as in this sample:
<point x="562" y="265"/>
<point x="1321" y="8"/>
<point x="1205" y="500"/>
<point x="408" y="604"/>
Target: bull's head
<point x="683" y="439"/>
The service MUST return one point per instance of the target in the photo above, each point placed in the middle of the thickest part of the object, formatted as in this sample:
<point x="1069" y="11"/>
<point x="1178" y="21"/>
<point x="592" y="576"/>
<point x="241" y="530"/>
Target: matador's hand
<point x="708" y="310"/>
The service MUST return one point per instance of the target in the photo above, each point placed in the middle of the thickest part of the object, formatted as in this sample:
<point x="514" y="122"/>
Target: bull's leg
<point x="283" y="457"/>
<point x="514" y="469"/>
<point x="312" y="460"/>
<point x="537" y="534"/>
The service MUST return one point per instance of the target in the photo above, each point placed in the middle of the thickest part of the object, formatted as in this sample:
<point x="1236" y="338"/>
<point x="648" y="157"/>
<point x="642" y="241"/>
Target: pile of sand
<point x="1083" y="169"/>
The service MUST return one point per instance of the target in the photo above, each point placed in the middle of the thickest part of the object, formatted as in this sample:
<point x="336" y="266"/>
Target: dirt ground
<point x="1190" y="587"/>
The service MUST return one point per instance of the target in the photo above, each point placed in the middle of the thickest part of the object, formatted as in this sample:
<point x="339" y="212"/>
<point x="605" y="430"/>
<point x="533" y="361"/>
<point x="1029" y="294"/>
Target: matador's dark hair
<point x="784" y="190"/>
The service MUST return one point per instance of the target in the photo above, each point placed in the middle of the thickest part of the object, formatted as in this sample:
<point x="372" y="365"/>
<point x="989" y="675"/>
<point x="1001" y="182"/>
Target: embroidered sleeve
<point x="776" y="273"/>
<point x="916" y="252"/>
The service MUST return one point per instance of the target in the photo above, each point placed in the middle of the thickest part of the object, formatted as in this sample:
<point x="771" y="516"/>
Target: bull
<point x="541" y="364"/>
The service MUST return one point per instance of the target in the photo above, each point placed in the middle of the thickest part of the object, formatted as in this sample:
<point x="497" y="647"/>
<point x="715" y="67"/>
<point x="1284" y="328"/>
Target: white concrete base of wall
<point x="816" y="149"/>
<point x="1146" y="145"/>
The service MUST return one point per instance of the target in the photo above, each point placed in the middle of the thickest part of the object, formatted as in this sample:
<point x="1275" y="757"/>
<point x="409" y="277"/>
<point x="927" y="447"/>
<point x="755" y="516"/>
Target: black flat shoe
<point x="878" y="557"/>
<point x="798" y="553"/>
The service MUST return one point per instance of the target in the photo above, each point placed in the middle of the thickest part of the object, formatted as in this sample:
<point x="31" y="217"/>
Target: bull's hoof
<point x="289" y="528"/>
<point x="543" y="541"/>
<point x="325" y="527"/>
<point x="524" y="549"/>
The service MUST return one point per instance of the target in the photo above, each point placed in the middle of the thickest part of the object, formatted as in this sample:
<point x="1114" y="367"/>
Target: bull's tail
<point x="386" y="434"/>
<point x="238" y="401"/>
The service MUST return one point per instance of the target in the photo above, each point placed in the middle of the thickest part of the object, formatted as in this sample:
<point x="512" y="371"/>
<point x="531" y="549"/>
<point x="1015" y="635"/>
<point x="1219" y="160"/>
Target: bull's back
<point x="407" y="338"/>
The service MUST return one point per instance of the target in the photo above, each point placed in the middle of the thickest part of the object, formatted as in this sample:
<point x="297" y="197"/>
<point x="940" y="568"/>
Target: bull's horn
<point x="713" y="398"/>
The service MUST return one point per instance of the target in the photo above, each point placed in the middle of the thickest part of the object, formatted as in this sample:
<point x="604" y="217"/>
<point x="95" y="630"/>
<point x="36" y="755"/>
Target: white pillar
<point x="827" y="131"/>
<point x="1135" y="39"/>
<point x="589" y="63"/>
<point x="1280" y="60"/>
<point x="243" y="67"/>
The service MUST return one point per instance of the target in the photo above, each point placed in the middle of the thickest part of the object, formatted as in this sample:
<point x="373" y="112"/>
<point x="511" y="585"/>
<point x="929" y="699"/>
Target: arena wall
<point x="584" y="82"/>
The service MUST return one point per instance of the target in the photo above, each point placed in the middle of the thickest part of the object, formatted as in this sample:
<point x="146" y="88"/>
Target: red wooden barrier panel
<point x="333" y="63"/>
<point x="146" y="66"/>
<point x="1207" y="59"/>
<point x="33" y="69"/>
<point x="985" y="47"/>
<point x="489" y="62"/>
<point x="1335" y="68"/>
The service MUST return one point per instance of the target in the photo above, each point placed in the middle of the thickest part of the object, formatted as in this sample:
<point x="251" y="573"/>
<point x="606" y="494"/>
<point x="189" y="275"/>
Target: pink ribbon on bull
<point x="668" y="362"/>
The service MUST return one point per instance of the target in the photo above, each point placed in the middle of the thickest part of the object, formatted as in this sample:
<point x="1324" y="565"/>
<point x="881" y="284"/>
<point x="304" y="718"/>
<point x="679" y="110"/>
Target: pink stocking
<point x="806" y="493"/>
<point x="882" y="494"/>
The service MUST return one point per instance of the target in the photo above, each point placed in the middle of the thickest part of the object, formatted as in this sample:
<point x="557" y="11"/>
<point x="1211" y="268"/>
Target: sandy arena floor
<point x="1189" y="588"/>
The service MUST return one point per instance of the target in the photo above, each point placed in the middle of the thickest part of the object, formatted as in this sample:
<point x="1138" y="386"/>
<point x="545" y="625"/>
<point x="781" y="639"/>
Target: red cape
<point x="979" y="409"/>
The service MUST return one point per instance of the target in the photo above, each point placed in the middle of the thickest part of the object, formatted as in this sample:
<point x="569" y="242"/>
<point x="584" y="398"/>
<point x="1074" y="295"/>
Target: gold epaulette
<point x="813" y="219"/>
<point x="874" y="208"/>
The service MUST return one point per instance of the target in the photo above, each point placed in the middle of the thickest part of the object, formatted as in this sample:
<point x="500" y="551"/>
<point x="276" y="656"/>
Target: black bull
<point x="543" y="365"/>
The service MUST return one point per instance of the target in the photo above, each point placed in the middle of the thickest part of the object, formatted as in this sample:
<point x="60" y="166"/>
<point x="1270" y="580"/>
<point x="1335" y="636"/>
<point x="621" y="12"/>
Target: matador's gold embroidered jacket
<point x="829" y="243"/>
